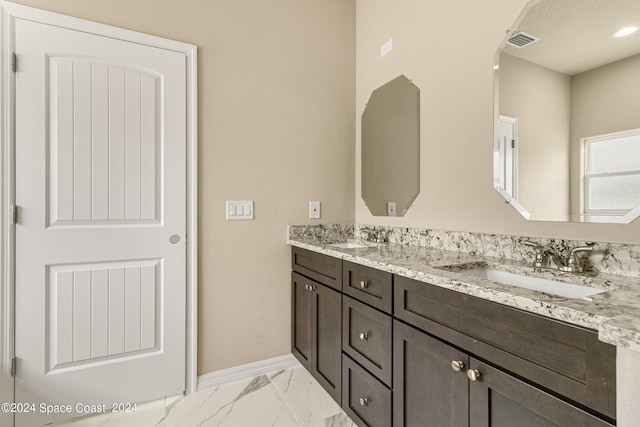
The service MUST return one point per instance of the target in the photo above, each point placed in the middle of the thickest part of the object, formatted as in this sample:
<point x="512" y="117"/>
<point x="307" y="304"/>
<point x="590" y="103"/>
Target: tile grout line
<point x="284" y="401"/>
<point x="313" y="422"/>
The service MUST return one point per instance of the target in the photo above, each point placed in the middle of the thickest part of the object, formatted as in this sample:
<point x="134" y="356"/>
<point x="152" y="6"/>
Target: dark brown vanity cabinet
<point x="399" y="352"/>
<point x="541" y="353"/>
<point x="316" y="327"/>
<point x="436" y="384"/>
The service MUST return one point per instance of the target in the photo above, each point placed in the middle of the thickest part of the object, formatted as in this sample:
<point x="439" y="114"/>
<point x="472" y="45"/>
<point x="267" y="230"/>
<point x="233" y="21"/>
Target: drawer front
<point x="365" y="399"/>
<point x="366" y="337"/>
<point x="371" y="286"/>
<point x="319" y="267"/>
<point x="563" y="358"/>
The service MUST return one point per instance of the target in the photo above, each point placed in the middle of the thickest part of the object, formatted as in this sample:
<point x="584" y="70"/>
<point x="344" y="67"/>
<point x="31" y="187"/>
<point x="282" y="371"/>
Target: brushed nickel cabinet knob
<point x="364" y="401"/>
<point x="457" y="365"/>
<point x="364" y="284"/>
<point x="364" y="336"/>
<point x="473" y="374"/>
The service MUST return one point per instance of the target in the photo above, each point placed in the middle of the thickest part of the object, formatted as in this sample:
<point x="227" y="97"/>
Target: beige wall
<point x="540" y="99"/>
<point x="604" y="100"/>
<point x="447" y="49"/>
<point x="276" y="114"/>
<point x="276" y="123"/>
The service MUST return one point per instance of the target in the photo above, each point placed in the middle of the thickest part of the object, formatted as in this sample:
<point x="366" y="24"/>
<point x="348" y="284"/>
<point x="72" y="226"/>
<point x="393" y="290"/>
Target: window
<point x="612" y="174"/>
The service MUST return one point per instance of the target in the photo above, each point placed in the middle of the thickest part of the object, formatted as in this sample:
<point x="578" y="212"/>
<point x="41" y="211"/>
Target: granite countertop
<point x="614" y="314"/>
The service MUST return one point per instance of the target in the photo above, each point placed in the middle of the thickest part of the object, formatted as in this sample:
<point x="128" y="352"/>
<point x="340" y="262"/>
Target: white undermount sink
<point x="348" y="245"/>
<point x="568" y="290"/>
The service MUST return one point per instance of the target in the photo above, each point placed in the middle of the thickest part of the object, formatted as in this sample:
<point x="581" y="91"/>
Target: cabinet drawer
<point x="366" y="337"/>
<point x="563" y="358"/>
<point x="371" y="286"/>
<point x="365" y="399"/>
<point x="319" y="267"/>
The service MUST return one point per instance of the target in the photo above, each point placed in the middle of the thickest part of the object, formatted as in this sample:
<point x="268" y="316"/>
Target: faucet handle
<point x="539" y="250"/>
<point x="573" y="255"/>
<point x="368" y="232"/>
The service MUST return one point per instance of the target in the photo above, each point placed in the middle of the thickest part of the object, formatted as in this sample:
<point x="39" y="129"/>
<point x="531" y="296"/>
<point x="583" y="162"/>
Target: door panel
<point x="103" y="149"/>
<point x="500" y="400"/>
<point x="301" y="310"/>
<point x="102" y="310"/>
<point x="100" y="183"/>
<point x="426" y="390"/>
<point x="327" y="328"/>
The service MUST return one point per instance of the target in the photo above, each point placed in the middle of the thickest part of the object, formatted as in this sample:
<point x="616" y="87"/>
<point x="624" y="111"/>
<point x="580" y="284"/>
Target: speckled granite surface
<point x="615" y="314"/>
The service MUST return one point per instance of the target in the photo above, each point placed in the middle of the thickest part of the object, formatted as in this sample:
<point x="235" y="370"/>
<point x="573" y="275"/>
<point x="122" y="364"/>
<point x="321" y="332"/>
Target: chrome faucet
<point x="549" y="258"/>
<point x="373" y="235"/>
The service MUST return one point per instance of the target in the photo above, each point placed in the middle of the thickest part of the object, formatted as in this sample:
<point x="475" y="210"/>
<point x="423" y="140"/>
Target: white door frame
<point x="9" y="12"/>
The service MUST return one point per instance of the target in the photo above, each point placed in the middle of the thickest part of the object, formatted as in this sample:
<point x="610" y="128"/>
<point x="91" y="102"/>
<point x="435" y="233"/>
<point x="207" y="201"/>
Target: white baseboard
<point x="249" y="370"/>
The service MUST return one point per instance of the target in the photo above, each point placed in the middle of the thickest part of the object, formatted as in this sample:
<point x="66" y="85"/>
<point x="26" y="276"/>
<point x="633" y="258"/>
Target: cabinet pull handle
<point x="473" y="374"/>
<point x="307" y="287"/>
<point x="364" y="401"/>
<point x="364" y="336"/>
<point x="457" y="365"/>
<point x="364" y="284"/>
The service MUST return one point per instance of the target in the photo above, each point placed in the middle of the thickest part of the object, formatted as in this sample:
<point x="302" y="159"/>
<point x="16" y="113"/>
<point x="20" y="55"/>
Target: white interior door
<point x="100" y="239"/>
<point x="508" y="157"/>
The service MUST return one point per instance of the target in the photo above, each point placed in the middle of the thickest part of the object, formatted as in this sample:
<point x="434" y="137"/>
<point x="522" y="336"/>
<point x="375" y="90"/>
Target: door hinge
<point x="14" y="366"/>
<point x="513" y="143"/>
<point x="14" y="62"/>
<point x="13" y="214"/>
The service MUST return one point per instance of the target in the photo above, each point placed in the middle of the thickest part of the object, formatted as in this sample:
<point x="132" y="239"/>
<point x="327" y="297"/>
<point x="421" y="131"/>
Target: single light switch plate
<point x="239" y="209"/>
<point x="391" y="208"/>
<point x="314" y="210"/>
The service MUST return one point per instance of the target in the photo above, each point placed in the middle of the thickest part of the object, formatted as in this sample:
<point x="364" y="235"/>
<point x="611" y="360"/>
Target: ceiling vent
<point x="521" y="39"/>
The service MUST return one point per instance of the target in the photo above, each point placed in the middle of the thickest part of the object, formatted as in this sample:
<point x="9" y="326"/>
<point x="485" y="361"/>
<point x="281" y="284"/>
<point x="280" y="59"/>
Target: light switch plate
<point x="314" y="210"/>
<point x="391" y="209"/>
<point x="239" y="210"/>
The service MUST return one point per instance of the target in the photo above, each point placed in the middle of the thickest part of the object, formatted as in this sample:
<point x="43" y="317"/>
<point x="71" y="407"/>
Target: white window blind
<point x="612" y="173"/>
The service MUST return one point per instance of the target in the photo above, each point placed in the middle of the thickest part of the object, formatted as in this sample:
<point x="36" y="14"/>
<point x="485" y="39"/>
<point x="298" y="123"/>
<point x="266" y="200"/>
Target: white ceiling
<point x="577" y="35"/>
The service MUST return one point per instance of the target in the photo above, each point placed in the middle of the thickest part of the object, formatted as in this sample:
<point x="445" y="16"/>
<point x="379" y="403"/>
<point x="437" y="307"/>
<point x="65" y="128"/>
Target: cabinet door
<point x="327" y="339"/>
<point x="301" y="338"/>
<point x="426" y="389"/>
<point x="500" y="400"/>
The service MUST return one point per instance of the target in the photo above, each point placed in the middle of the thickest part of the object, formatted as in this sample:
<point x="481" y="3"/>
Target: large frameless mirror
<point x="391" y="148"/>
<point x="567" y="111"/>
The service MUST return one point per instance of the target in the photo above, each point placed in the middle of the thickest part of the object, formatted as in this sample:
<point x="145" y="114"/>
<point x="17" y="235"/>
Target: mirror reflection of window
<point x="611" y="174"/>
<point x="568" y="70"/>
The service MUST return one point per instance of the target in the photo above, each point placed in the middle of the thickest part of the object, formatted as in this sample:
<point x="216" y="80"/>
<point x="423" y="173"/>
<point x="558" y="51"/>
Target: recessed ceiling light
<point x="626" y="31"/>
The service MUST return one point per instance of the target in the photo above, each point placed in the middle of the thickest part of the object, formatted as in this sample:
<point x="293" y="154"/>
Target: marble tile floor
<point x="286" y="398"/>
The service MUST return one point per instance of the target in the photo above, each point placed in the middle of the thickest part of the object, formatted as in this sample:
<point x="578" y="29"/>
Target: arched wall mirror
<point x="567" y="111"/>
<point x="391" y="148"/>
